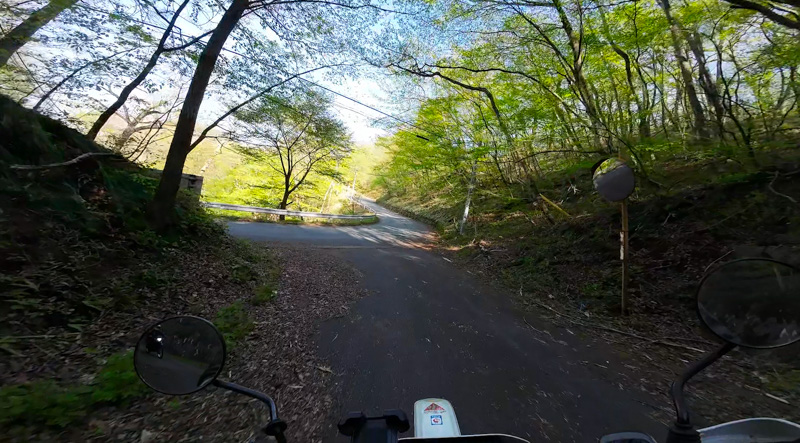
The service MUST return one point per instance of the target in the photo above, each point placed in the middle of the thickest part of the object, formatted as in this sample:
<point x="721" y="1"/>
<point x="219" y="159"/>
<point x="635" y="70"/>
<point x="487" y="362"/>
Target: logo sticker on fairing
<point x="436" y="420"/>
<point x="433" y="408"/>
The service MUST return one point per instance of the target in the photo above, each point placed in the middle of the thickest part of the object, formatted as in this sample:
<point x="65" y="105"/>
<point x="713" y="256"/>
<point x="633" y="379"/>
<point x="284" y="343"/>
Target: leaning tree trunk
<point x="162" y="207"/>
<point x="11" y="42"/>
<point x="284" y="201"/>
<point x="129" y="88"/>
<point x="686" y="72"/>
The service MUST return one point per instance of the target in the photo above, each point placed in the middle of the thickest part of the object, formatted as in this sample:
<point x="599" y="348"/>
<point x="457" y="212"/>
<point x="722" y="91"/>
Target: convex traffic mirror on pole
<point x="614" y="181"/>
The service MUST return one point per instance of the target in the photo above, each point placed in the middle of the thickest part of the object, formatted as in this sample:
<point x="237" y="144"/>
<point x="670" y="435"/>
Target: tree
<point x="322" y="30"/>
<point x="297" y="135"/>
<point x="163" y="203"/>
<point x="102" y="119"/>
<point x="23" y="32"/>
<point x="783" y="12"/>
<point x="676" y="33"/>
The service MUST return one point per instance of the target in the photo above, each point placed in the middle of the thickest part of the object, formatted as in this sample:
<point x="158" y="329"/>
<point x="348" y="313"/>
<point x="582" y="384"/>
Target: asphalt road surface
<point x="431" y="329"/>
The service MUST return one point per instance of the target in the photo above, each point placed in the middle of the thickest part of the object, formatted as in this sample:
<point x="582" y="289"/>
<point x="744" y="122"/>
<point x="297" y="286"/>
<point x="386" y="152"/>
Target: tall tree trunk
<point x="706" y="82"/>
<point x="643" y="104"/>
<point x="468" y="201"/>
<point x="284" y="203"/>
<point x="163" y="204"/>
<point x="578" y="57"/>
<point x="285" y="200"/>
<point x="129" y="88"/>
<point x="11" y="42"/>
<point x="699" y="127"/>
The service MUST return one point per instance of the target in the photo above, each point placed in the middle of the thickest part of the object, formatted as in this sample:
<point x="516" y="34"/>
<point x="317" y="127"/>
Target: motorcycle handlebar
<point x="276" y="426"/>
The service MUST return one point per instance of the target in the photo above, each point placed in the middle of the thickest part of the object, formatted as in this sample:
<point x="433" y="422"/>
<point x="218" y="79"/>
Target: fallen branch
<point x="717" y="260"/>
<point x="37" y="337"/>
<point x="782" y="400"/>
<point x="558" y="208"/>
<point x="66" y="163"/>
<point x="658" y="341"/>
<point x="526" y="216"/>
<point x="766" y="394"/>
<point x="639" y="337"/>
<point x="723" y="220"/>
<point x="778" y="193"/>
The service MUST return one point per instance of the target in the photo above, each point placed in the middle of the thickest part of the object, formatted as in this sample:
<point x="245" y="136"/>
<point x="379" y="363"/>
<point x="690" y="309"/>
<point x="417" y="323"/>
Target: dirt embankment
<point x="82" y="276"/>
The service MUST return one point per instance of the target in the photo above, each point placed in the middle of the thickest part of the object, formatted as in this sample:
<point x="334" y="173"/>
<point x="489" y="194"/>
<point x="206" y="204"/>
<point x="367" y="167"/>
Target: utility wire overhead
<point x="200" y="42"/>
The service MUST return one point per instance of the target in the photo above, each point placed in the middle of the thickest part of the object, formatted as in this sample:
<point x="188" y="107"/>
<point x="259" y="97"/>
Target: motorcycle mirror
<point x="627" y="437"/>
<point x="179" y="355"/>
<point x="614" y="180"/>
<point x="752" y="302"/>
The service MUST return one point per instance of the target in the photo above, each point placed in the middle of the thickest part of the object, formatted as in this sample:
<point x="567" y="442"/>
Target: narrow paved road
<point x="430" y="329"/>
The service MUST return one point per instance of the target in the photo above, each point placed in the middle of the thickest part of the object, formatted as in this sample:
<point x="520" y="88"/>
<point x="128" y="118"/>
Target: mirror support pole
<point x="275" y="427"/>
<point x="623" y="236"/>
<point x="678" y="399"/>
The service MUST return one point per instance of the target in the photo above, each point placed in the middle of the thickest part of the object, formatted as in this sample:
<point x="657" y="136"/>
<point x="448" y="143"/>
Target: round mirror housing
<point x="752" y="302"/>
<point x="614" y="180"/>
<point x="179" y="355"/>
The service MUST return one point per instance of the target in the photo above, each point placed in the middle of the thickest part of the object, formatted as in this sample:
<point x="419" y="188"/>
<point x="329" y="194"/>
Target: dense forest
<point x="528" y="91"/>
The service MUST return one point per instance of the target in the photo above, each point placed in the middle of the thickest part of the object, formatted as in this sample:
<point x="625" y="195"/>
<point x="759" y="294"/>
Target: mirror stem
<point x="678" y="400"/>
<point x="273" y="410"/>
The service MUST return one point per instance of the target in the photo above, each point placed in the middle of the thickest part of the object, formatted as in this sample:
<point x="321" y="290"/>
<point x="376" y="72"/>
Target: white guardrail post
<point x="257" y="209"/>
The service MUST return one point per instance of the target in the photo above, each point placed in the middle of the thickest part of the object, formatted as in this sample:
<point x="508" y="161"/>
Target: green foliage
<point x="243" y="272"/>
<point x="788" y="382"/>
<point x="28" y="137"/>
<point x="43" y="403"/>
<point x="303" y="171"/>
<point x="137" y="30"/>
<point x="117" y="380"/>
<point x="234" y="323"/>
<point x="49" y="403"/>
<point x="263" y="294"/>
<point x="530" y="129"/>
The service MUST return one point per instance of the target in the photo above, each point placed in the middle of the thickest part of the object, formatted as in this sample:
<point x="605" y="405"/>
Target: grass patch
<point x="48" y="403"/>
<point x="263" y="294"/>
<point x="234" y="323"/>
<point x="788" y="382"/>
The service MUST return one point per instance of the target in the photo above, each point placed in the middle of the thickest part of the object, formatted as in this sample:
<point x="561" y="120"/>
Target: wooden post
<point x="623" y="255"/>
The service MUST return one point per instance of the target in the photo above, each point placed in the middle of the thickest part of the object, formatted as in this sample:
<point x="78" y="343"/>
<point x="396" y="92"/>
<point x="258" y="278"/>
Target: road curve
<point x="430" y="329"/>
<point x="392" y="230"/>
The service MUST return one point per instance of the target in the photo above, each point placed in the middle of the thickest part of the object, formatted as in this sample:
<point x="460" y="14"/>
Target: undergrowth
<point x="702" y="209"/>
<point x="76" y="252"/>
<point x="49" y="403"/>
<point x="234" y="322"/>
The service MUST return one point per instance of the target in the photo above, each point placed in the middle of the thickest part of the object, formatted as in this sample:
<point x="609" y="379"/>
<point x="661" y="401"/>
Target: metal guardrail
<point x="286" y="212"/>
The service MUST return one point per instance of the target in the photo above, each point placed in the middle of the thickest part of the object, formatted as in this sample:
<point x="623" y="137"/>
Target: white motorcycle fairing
<point x="435" y="421"/>
<point x="434" y="418"/>
<point x="752" y="430"/>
